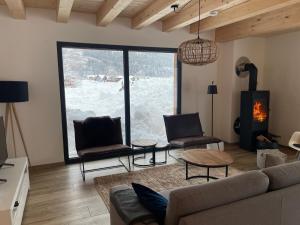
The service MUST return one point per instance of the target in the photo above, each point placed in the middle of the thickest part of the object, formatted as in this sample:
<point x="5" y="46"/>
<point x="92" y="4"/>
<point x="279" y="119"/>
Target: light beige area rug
<point x="166" y="177"/>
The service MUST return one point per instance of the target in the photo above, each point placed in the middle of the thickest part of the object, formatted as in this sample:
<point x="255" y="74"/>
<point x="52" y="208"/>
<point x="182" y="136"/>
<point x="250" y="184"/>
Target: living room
<point x="34" y="33"/>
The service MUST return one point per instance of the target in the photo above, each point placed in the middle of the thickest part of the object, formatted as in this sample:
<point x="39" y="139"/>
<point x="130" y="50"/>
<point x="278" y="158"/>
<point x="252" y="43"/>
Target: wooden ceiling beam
<point x="64" y="8"/>
<point x="281" y="20"/>
<point x="190" y="15"/>
<point x="110" y="10"/>
<point x="16" y="8"/>
<point x="241" y="12"/>
<point x="153" y="12"/>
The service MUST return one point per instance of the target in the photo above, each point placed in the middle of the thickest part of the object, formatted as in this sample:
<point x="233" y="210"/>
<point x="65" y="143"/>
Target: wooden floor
<point x="58" y="196"/>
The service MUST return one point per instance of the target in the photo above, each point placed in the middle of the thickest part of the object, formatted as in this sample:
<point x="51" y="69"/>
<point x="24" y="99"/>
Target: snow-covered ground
<point x="150" y="97"/>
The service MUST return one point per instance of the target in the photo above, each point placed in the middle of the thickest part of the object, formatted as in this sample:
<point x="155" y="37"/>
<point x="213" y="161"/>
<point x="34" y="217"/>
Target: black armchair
<point x="99" y="138"/>
<point x="185" y="130"/>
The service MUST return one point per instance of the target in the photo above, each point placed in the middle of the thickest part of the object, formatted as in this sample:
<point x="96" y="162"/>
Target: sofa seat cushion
<point x="283" y="175"/>
<point x="193" y="141"/>
<point x="126" y="203"/>
<point x="197" y="198"/>
<point x="103" y="150"/>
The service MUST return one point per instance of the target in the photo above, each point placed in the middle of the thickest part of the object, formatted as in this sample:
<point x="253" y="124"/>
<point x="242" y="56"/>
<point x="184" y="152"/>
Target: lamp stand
<point x="212" y="115"/>
<point x="10" y="114"/>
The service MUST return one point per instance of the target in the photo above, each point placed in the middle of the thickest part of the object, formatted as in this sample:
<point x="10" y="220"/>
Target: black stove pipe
<point x="252" y="69"/>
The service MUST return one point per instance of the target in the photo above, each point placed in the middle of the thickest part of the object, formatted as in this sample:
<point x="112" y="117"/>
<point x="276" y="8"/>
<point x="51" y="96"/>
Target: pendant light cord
<point x="199" y="21"/>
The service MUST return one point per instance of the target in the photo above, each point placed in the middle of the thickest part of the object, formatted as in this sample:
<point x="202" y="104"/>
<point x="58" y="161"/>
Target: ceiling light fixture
<point x="214" y="12"/>
<point x="198" y="51"/>
<point x="175" y="7"/>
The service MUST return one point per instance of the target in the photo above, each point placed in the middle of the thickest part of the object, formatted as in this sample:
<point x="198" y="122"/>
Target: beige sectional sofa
<point x="267" y="197"/>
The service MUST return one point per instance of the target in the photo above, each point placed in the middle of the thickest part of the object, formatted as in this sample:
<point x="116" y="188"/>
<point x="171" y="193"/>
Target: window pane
<point x="152" y="93"/>
<point x="94" y="86"/>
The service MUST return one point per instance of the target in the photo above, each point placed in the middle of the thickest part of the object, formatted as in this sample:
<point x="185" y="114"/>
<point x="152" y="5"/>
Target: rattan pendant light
<point x="198" y="51"/>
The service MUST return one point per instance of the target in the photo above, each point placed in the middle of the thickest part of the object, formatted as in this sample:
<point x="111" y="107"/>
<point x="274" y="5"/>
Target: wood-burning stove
<point x="254" y="117"/>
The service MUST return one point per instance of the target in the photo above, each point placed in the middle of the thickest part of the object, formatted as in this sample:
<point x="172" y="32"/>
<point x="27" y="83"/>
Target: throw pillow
<point x="151" y="200"/>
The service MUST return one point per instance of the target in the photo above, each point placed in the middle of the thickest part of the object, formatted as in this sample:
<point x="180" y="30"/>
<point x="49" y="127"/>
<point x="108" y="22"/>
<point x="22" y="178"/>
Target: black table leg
<point x="186" y="171"/>
<point x="166" y="156"/>
<point x="207" y="174"/>
<point x="153" y="156"/>
<point x="133" y="157"/>
<point x="226" y="171"/>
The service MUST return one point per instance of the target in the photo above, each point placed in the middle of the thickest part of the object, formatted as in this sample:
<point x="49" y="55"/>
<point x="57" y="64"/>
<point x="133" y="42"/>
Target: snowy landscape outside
<point x="94" y="86"/>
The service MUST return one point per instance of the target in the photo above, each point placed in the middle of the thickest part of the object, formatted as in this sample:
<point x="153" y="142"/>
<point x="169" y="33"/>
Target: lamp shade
<point x="212" y="89"/>
<point x="13" y="91"/>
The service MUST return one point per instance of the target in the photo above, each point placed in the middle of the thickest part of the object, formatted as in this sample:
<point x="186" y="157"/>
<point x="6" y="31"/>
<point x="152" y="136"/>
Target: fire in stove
<point x="259" y="112"/>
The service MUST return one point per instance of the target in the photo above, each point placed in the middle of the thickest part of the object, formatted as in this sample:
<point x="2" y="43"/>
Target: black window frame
<point x="126" y="49"/>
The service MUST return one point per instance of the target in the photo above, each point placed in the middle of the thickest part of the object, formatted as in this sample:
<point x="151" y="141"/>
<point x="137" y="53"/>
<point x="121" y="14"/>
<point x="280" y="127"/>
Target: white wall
<point x="282" y="77"/>
<point x="230" y="85"/>
<point x="223" y="98"/>
<point x="28" y="52"/>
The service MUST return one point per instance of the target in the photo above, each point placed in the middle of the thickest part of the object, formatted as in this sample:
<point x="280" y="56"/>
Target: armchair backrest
<point x="97" y="132"/>
<point x="182" y="125"/>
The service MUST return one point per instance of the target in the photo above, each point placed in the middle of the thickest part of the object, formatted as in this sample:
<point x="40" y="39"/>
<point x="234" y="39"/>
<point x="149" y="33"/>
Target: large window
<point x="94" y="86"/>
<point x="138" y="84"/>
<point x="152" y="93"/>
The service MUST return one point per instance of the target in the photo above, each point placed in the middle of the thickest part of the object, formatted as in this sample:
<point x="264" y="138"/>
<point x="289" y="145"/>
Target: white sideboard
<point x="13" y="193"/>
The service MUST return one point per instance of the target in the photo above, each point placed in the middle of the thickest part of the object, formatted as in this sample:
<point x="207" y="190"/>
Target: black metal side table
<point x="142" y="145"/>
<point x="161" y="146"/>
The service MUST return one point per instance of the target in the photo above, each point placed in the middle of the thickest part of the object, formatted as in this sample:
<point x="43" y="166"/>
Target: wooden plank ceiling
<point x="235" y="18"/>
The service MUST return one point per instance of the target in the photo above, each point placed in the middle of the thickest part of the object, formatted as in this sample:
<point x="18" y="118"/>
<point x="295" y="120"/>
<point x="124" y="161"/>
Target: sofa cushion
<point x="197" y="198"/>
<point x="153" y="201"/>
<point x="103" y="150"/>
<point x="193" y="141"/>
<point x="283" y="175"/>
<point x="125" y="201"/>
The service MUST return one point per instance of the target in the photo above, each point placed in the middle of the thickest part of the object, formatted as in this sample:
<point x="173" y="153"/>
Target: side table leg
<point x="166" y="156"/>
<point x="207" y="174"/>
<point x="132" y="157"/>
<point x="226" y="171"/>
<point x="186" y="171"/>
<point x="153" y="156"/>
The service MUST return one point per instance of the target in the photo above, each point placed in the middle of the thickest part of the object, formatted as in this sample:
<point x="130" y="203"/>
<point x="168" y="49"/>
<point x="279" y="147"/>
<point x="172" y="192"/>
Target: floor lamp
<point x="10" y="93"/>
<point x="212" y="90"/>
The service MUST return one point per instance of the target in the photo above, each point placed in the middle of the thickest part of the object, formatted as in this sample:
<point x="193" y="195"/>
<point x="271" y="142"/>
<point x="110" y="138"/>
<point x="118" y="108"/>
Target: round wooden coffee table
<point x="207" y="159"/>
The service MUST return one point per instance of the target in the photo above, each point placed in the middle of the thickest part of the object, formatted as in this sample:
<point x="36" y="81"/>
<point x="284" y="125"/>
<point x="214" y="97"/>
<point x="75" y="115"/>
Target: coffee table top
<point x="143" y="143"/>
<point x="204" y="157"/>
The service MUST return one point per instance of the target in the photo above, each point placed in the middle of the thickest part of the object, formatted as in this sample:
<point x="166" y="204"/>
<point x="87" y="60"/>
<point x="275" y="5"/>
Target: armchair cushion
<point x="97" y="132"/>
<point x="103" y="150"/>
<point x="183" y="125"/>
<point x="193" y="141"/>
